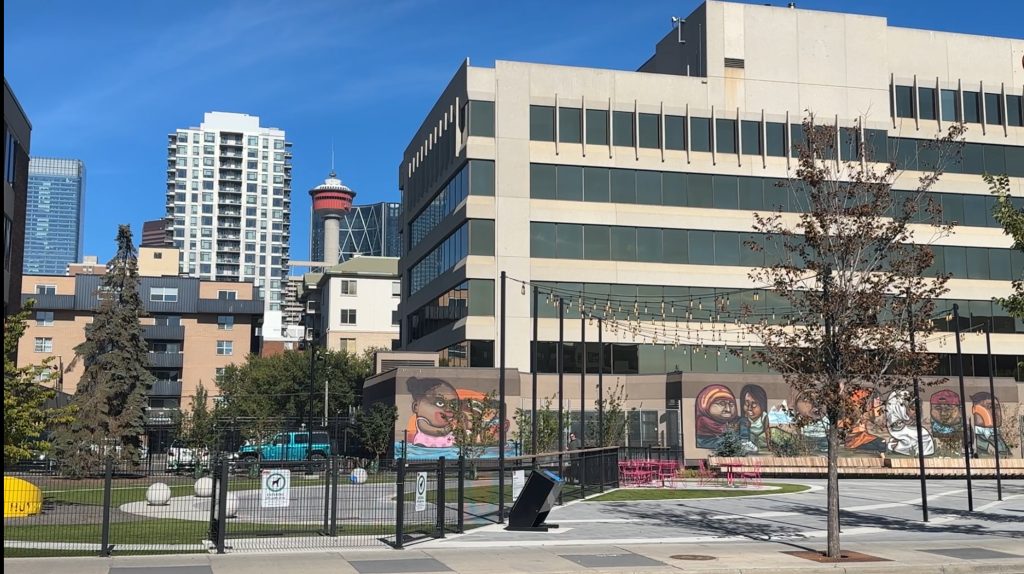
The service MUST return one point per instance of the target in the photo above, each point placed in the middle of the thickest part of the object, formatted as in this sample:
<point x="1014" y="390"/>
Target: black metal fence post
<point x="462" y="493"/>
<point x="439" y="501"/>
<point x="997" y="413"/>
<point x="222" y="504"/>
<point x="327" y="497"/>
<point x="334" y="496"/>
<point x="108" y="479"/>
<point x="213" y="530"/>
<point x="963" y="407"/>
<point x="604" y="462"/>
<point x="400" y="503"/>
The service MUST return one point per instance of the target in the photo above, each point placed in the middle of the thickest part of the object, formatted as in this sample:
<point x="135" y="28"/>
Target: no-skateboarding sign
<point x="421" y="491"/>
<point x="274" y="490"/>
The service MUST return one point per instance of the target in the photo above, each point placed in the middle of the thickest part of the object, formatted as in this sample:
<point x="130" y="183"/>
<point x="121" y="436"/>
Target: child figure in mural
<point x="431" y="406"/>
<point x="816" y="430"/>
<point x="715" y="414"/>
<point x="754" y="427"/>
<point x="903" y="428"/>
<point x="865" y="434"/>
<point x="987" y="415"/>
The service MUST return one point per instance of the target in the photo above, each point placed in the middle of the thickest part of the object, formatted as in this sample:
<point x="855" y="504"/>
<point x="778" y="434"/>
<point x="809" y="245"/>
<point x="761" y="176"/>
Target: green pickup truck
<point x="287" y="446"/>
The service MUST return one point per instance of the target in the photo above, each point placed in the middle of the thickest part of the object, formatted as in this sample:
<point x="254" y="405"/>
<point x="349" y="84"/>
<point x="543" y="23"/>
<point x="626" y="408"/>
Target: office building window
<point x="348" y="316"/>
<point x="725" y="136"/>
<point x="44" y="318"/>
<point x="775" y="139"/>
<point x="993" y="109"/>
<point x="168" y="320"/>
<point x="926" y="101"/>
<point x="227" y="295"/>
<point x="972" y="107"/>
<point x="751" y="132"/>
<point x="481" y="118"/>
<point x="650" y="131"/>
<point x="675" y="132"/>
<point x="570" y="125"/>
<point x="348" y="287"/>
<point x="225" y="347"/>
<point x="163" y="294"/>
<point x="700" y="134"/>
<point x="622" y="129"/>
<point x="1014" y="113"/>
<point x="597" y="127"/>
<point x="542" y="123"/>
<point x="904" y="102"/>
<point x="225" y="322"/>
<point x="950" y="105"/>
<point x="44" y="345"/>
<point x="46" y="289"/>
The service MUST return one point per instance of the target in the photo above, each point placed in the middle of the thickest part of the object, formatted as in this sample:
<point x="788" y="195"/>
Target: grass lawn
<point x="626" y="494"/>
<point x="144" y="531"/>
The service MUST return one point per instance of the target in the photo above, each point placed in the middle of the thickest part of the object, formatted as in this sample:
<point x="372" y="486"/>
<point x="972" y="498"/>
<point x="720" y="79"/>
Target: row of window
<point x="228" y="138"/>
<point x="604" y="185"/>
<point x="751" y="137"/>
<point x="474" y="237"/>
<point x="669" y="303"/>
<point x="648" y="359"/>
<point x="471" y="297"/>
<point x="475" y="178"/>
<point x="45" y="345"/>
<point x="702" y="247"/>
<point x="955" y="106"/>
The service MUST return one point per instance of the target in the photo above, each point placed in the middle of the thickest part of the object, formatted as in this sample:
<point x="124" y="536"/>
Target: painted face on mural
<point x="723" y="409"/>
<point x="806" y="408"/>
<point x="433" y="408"/>
<point x="985" y="413"/>
<point x="751" y="407"/>
<point x="945" y="408"/>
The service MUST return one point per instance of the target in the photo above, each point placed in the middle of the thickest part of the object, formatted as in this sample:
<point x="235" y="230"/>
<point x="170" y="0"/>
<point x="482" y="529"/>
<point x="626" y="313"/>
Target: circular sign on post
<point x="421" y="491"/>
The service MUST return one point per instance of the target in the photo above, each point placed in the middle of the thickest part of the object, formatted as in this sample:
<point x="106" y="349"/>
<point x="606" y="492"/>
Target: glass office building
<point x="54" y="218"/>
<point x="366" y="230"/>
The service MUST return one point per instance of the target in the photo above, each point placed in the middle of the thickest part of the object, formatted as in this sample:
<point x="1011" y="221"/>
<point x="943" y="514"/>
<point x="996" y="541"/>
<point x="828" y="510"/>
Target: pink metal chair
<point x="753" y="475"/>
<point x="705" y="475"/>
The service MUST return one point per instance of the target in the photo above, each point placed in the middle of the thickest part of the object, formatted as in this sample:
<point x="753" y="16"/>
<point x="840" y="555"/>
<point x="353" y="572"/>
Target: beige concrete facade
<point x="158" y="261"/>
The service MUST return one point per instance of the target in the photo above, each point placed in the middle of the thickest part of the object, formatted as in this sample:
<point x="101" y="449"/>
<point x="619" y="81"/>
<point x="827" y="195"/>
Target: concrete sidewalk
<point x="946" y="556"/>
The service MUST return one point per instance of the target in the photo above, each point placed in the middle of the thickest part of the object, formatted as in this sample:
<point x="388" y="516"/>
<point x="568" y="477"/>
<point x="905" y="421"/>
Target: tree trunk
<point x="833" y="491"/>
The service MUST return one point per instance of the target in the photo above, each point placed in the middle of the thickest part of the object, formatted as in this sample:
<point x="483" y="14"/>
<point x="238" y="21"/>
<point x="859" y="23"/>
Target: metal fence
<point x="278" y="505"/>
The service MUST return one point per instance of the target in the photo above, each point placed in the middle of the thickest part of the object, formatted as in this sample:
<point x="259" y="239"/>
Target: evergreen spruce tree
<point x="112" y="392"/>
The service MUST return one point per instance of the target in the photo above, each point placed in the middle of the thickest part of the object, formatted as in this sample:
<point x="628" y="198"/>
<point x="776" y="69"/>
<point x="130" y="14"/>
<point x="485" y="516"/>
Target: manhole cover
<point x="692" y="557"/>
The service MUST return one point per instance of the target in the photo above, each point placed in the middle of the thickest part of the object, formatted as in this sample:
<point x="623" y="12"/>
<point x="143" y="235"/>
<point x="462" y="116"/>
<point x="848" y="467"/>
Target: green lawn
<point x="627" y="494"/>
<point x="143" y="531"/>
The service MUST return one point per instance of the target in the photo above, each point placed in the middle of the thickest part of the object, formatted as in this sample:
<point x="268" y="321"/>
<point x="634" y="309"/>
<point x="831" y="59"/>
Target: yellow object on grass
<point x="21" y="498"/>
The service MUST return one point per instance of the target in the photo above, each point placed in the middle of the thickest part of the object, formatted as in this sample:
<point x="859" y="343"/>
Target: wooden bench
<point x="870" y="466"/>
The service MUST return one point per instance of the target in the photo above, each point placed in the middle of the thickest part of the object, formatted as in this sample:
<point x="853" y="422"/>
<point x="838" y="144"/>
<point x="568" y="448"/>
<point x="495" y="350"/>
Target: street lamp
<point x="311" y="319"/>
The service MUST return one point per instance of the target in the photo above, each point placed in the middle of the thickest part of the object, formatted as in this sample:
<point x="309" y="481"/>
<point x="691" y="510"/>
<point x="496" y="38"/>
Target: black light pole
<point x="963" y="407"/>
<point x="533" y="372"/>
<point x="600" y="385"/>
<point x="501" y="410"/>
<point x="917" y="411"/>
<point x="312" y="377"/>
<point x="561" y="373"/>
<point x="583" y="380"/>
<point x="996" y="413"/>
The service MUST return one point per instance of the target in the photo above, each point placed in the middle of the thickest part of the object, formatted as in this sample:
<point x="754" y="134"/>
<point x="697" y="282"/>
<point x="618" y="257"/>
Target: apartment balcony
<point x="231" y="165"/>
<point x="165" y="360"/>
<point x="161" y="416"/>
<point x="230" y="153"/>
<point x="230" y="189"/>
<point x="226" y="225"/>
<point x="230" y="306"/>
<point x="227" y="260"/>
<point x="228" y="201"/>
<point x="228" y="177"/>
<point x="172" y="332"/>
<point x="229" y="236"/>
<point x="230" y="213"/>
<point x="226" y="249"/>
<point x="231" y="141"/>
<point x="50" y="302"/>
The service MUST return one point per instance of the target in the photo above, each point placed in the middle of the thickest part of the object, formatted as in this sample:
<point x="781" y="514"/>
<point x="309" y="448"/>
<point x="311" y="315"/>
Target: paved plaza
<point x="881" y="518"/>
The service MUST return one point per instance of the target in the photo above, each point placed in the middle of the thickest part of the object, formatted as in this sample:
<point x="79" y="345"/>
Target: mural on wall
<point x="428" y="432"/>
<point x="887" y="423"/>
<point x="716" y="414"/>
<point x="987" y="414"/>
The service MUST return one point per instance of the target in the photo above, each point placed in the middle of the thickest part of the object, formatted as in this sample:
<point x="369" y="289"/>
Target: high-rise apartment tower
<point x="54" y="221"/>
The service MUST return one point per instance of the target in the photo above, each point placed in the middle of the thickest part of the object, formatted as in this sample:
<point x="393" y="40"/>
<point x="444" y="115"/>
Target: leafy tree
<point x="26" y="416"/>
<point x="612" y="431"/>
<point x="198" y="430"/>
<point x="855" y="275"/>
<point x="730" y="445"/>
<point x="377" y="428"/>
<point x="547" y="426"/>
<point x="1012" y="220"/>
<point x="111" y="394"/>
<point x="265" y="394"/>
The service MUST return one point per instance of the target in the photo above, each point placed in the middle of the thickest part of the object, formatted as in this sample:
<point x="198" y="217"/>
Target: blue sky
<point x="105" y="82"/>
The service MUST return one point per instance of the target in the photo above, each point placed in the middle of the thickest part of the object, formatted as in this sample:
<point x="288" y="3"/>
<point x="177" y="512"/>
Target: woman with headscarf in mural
<point x="903" y="427"/>
<point x="715" y="414"/>
<point x="755" y="431"/>
<point x="987" y="415"/>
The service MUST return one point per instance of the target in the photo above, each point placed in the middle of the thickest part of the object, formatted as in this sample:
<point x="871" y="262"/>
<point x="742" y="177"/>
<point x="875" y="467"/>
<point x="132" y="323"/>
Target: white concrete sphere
<point x="204" y="487"/>
<point x="358" y="476"/>
<point x="158" y="494"/>
<point x="231" y="505"/>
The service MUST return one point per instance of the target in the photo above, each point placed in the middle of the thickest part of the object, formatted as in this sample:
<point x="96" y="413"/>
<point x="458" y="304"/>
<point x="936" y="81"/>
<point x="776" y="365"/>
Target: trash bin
<point x="535" y="501"/>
